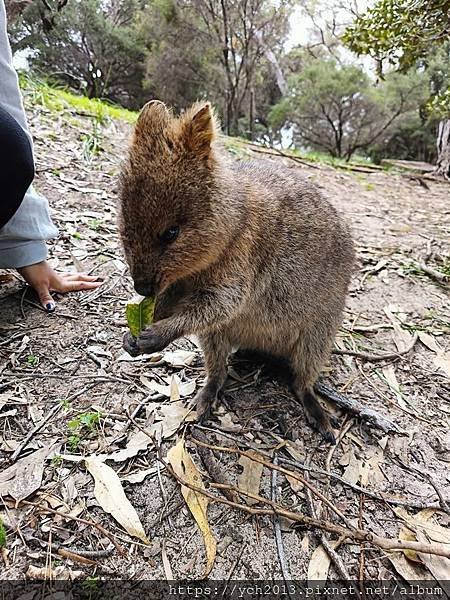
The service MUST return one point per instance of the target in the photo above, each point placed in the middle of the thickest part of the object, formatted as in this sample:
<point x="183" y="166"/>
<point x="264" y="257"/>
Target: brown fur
<point x="262" y="260"/>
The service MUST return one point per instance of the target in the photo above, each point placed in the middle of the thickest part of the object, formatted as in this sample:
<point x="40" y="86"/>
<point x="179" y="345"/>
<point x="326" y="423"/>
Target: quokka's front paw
<point x="151" y="340"/>
<point x="129" y="344"/>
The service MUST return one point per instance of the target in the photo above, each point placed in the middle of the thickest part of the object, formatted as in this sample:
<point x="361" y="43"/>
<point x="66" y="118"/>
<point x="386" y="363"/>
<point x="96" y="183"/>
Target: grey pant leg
<point x="22" y="239"/>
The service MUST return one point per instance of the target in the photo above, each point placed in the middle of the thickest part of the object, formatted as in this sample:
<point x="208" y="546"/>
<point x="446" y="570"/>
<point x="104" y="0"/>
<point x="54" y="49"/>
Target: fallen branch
<point x="356" y="408"/>
<point x="358" y="535"/>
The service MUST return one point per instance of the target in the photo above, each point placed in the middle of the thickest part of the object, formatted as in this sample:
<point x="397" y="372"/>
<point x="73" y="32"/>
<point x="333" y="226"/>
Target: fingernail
<point x="50" y="307"/>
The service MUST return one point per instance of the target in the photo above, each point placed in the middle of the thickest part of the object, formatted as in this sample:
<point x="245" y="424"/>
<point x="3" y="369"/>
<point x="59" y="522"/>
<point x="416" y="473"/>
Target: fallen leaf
<point x="389" y="375"/>
<point x="185" y="468"/>
<point x="138" y="441"/>
<point x="171" y="416"/>
<point x="319" y="564"/>
<point x="174" y="385"/>
<point x="166" y="563"/>
<point x="179" y="358"/>
<point x="61" y="572"/>
<point x="109" y="493"/>
<point x="370" y="471"/>
<point x="140" y="475"/>
<point x="442" y="358"/>
<point x="250" y="479"/>
<point x="24" y="477"/>
<point x="439" y="566"/>
<point x="175" y="389"/>
<point x="352" y="471"/>
<point x="410" y="571"/>
<point x="402" y="338"/>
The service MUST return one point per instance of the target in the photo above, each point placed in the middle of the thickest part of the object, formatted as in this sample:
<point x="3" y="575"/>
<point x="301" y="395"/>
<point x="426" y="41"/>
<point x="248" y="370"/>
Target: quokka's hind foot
<point x="205" y="402"/>
<point x="317" y="417"/>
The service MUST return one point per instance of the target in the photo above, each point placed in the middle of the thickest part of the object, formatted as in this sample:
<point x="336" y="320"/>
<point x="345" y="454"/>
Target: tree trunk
<point x="443" y="149"/>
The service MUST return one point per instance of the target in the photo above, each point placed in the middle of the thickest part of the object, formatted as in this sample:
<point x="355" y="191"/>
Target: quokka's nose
<point x="144" y="288"/>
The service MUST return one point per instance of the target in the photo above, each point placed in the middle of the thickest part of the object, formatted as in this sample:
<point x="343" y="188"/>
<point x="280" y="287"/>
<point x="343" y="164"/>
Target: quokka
<point x="242" y="254"/>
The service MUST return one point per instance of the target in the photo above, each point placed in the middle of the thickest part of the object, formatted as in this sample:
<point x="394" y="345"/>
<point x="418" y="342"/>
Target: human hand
<point x="44" y="280"/>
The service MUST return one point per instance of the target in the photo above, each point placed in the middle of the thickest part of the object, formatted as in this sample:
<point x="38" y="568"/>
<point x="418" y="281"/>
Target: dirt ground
<point x="72" y="363"/>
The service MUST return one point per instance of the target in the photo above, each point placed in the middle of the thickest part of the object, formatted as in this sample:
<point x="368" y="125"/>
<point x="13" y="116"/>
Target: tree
<point x="402" y="32"/>
<point x="92" y="45"/>
<point x="337" y="108"/>
<point x="218" y="49"/>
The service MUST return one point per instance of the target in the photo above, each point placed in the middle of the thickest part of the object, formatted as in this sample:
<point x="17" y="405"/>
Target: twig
<point x="97" y="526"/>
<point x="377" y="357"/>
<point x="362" y="553"/>
<point x="233" y="568"/>
<point x="276" y="524"/>
<point x="358" y="535"/>
<point x="271" y="465"/>
<point x="212" y="465"/>
<point x="433" y="273"/>
<point x="356" y="408"/>
<point x="334" y="556"/>
<point x="319" y="471"/>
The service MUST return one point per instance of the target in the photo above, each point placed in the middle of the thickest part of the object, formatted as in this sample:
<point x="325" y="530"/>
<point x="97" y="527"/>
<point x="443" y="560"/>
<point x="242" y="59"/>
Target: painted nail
<point x="50" y="307"/>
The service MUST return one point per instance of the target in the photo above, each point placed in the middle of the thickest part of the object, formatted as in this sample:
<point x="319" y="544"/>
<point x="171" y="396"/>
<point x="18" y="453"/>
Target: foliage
<point x="400" y="31"/>
<point x="93" y="46"/>
<point x="338" y="109"/>
<point x="2" y="535"/>
<point x="217" y="50"/>
<point x="403" y="33"/>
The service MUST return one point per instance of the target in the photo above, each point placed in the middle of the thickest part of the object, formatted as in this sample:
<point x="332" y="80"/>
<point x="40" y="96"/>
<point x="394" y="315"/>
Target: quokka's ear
<point x="200" y="129"/>
<point x="153" y="119"/>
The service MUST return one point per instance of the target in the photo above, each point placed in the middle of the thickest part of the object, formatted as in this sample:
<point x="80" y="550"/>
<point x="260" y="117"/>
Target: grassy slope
<point x="57" y="99"/>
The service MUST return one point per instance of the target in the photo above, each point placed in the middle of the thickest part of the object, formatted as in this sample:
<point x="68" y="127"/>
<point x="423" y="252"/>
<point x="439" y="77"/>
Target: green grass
<point x="58" y="99"/>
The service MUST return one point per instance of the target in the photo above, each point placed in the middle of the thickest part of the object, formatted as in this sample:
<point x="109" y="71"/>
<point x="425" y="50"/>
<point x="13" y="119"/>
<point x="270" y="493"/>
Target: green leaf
<point x="139" y="313"/>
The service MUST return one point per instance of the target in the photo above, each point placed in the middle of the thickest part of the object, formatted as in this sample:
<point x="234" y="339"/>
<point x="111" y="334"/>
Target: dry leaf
<point x="138" y="441"/>
<point x="109" y="493"/>
<point x="166" y="563"/>
<point x="389" y="375"/>
<point x="171" y="416"/>
<point x="140" y="475"/>
<point x="352" y="472"/>
<point x="174" y="386"/>
<point x="179" y="358"/>
<point x="25" y="476"/>
<point x="405" y="568"/>
<point x="185" y="468"/>
<point x="402" y="338"/>
<point x="175" y="389"/>
<point x="319" y="564"/>
<point x="60" y="573"/>
<point x="442" y="359"/>
<point x="250" y="478"/>
<point x="439" y="566"/>
<point x="370" y="471"/>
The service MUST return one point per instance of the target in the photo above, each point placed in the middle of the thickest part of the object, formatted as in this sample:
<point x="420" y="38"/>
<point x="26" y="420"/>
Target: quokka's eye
<point x="170" y="235"/>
